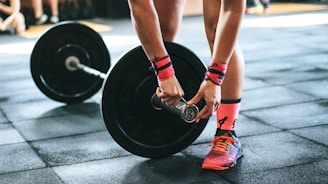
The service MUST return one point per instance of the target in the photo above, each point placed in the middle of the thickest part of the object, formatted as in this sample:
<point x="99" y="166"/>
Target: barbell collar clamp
<point x="73" y="63"/>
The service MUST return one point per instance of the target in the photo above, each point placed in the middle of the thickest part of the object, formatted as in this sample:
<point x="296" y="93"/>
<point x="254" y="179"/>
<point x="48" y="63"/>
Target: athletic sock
<point x="227" y="114"/>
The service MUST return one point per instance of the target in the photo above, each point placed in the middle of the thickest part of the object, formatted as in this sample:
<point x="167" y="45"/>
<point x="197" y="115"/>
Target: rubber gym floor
<point x="283" y="123"/>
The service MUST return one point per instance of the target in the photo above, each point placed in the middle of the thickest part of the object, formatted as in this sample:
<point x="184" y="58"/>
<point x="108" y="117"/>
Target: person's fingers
<point x="169" y="99"/>
<point x="195" y="99"/>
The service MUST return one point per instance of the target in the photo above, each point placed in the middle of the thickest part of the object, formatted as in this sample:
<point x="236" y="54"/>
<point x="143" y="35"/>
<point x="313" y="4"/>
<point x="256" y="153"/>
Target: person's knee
<point x="20" y="23"/>
<point x="168" y="32"/>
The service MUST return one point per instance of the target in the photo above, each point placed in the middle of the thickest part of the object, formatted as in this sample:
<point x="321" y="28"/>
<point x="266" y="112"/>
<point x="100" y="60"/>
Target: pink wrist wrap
<point x="163" y="68"/>
<point x="216" y="72"/>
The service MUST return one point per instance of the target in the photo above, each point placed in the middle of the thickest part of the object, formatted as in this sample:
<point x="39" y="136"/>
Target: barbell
<point x="70" y="63"/>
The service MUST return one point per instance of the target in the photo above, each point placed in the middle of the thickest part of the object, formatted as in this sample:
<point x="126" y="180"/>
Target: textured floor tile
<point x="315" y="133"/>
<point x="291" y="76"/>
<point x="318" y="88"/>
<point x="269" y="151"/>
<point x="254" y="83"/>
<point x="37" y="176"/>
<point x="133" y="169"/>
<point x="248" y="126"/>
<point x="271" y="97"/>
<point x="3" y="118"/>
<point x="244" y="127"/>
<point x="46" y="108"/>
<point x="18" y="157"/>
<point x="44" y="128"/>
<point x="76" y="149"/>
<point x="8" y="134"/>
<point x="293" y="116"/>
<point x="315" y="172"/>
<point x="30" y="110"/>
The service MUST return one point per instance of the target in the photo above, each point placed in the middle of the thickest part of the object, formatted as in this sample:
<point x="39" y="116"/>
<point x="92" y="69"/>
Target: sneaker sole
<point x="222" y="168"/>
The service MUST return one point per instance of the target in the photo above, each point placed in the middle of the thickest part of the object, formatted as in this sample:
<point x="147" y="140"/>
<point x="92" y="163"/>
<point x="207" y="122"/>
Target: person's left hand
<point x="211" y="93"/>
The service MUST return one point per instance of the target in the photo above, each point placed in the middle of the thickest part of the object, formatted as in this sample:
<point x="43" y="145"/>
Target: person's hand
<point x="2" y="27"/>
<point x="170" y="91"/>
<point x="211" y="93"/>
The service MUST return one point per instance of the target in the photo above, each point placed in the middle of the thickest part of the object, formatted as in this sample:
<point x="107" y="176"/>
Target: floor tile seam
<point x="47" y="164"/>
<point x="66" y="136"/>
<point x="241" y="137"/>
<point x="222" y="176"/>
<point x="23" y="170"/>
<point x="5" y="116"/>
<point x="283" y="167"/>
<point x="258" y="120"/>
<point x="8" y="144"/>
<point x="285" y="57"/>
<point x="304" y="93"/>
<point x="30" y="143"/>
<point x="276" y="127"/>
<point x="299" y="128"/>
<point x="281" y="105"/>
<point x="306" y="138"/>
<point x="18" y="131"/>
<point x="283" y="84"/>
<point x="34" y="169"/>
<point x="269" y="84"/>
<point x="52" y="166"/>
<point x="14" y="143"/>
<point x="48" y="116"/>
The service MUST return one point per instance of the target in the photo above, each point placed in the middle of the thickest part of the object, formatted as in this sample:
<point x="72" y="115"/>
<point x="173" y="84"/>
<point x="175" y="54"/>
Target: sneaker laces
<point x="221" y="143"/>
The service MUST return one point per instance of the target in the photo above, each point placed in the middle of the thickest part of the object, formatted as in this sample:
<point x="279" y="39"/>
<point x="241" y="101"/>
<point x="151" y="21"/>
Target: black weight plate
<point x="126" y="106"/>
<point x="50" y="53"/>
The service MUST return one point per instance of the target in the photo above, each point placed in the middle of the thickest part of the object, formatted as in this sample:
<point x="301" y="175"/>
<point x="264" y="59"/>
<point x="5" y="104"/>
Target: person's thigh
<point x="170" y="15"/>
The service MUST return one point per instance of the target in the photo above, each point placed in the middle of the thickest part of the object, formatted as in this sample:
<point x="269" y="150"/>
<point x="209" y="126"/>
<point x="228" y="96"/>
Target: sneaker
<point x="225" y="152"/>
<point x="41" y="20"/>
<point x="251" y="10"/>
<point x="266" y="11"/>
<point x="54" y="19"/>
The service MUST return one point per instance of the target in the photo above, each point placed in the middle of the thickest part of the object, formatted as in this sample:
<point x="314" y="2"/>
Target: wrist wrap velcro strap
<point x="216" y="72"/>
<point x="163" y="68"/>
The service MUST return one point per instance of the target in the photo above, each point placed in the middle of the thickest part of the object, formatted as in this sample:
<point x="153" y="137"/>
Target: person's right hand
<point x="170" y="91"/>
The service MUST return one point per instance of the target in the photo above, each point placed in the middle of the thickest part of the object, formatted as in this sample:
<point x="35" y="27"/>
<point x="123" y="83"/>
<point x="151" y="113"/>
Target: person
<point x="11" y="17"/>
<point x="40" y="16"/>
<point x="252" y="6"/>
<point x="222" y="85"/>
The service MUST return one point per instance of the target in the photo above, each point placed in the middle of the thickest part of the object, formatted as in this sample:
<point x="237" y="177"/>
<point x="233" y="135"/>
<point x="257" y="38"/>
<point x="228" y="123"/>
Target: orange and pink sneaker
<point x="225" y="152"/>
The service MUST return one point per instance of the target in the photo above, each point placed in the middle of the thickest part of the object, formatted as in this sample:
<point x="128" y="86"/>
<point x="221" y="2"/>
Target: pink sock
<point x="227" y="114"/>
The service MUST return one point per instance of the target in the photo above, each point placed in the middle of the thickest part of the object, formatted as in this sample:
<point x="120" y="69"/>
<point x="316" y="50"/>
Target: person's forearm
<point x="7" y="21"/>
<point x="13" y="8"/>
<point x="5" y="9"/>
<point x="147" y="26"/>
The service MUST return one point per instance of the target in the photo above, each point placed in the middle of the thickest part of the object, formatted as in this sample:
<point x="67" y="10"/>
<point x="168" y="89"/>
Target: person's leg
<point x="233" y="82"/>
<point x="37" y="8"/>
<point x="170" y="16"/>
<point x="39" y="15"/>
<point x="231" y="91"/>
<point x="266" y="6"/>
<point x="19" y="23"/>
<point x="54" y="11"/>
<point x="148" y="26"/>
<point x="251" y="6"/>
